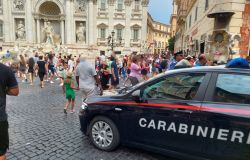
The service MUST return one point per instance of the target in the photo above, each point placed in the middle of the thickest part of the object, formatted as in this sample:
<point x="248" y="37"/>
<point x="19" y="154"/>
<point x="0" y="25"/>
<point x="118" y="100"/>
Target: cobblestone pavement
<point x="39" y="130"/>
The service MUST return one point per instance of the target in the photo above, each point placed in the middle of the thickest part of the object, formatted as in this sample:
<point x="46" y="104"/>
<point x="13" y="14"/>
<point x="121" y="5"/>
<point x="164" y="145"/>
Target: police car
<point x="197" y="113"/>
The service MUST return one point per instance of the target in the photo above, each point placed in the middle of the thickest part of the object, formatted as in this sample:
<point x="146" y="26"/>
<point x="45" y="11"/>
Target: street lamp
<point x="111" y="40"/>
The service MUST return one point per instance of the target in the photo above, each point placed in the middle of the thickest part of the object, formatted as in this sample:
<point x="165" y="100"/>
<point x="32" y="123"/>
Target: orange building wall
<point x="244" y="31"/>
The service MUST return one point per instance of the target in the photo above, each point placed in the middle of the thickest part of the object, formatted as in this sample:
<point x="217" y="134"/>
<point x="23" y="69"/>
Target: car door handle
<point x="184" y="110"/>
<point x="118" y="109"/>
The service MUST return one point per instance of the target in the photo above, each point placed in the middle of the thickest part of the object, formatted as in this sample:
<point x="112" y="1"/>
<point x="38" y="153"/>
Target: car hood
<point x="94" y="100"/>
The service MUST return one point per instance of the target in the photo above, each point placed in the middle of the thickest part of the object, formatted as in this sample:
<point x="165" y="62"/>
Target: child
<point x="68" y="85"/>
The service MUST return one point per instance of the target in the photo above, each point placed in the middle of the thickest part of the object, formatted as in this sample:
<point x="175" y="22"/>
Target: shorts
<point x="41" y="75"/>
<point x="128" y="71"/>
<point x="133" y="80"/>
<point x="52" y="69"/>
<point x="144" y="72"/>
<point x="31" y="70"/>
<point x="87" y="93"/>
<point x="4" y="137"/>
<point x="114" y="82"/>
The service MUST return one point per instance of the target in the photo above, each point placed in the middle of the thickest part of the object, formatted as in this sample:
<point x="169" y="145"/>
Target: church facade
<point x="75" y="26"/>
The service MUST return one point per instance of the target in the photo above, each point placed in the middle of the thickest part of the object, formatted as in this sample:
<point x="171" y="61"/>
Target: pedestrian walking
<point x="31" y="69"/>
<point x="135" y="71"/>
<point x="42" y="67"/>
<point x="51" y="67"/>
<point x="8" y="86"/>
<point x="87" y="79"/>
<point x="22" y="68"/>
<point x="68" y="90"/>
<point x="115" y="73"/>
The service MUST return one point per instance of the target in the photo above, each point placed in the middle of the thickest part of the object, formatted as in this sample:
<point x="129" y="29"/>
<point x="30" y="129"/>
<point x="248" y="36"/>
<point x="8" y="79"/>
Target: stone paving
<point x="39" y="130"/>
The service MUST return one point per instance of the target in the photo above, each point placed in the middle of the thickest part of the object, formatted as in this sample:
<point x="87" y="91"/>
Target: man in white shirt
<point x="87" y="79"/>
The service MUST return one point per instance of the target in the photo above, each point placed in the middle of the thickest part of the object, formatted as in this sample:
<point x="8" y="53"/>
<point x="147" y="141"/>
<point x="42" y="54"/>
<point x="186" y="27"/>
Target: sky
<point x="160" y="10"/>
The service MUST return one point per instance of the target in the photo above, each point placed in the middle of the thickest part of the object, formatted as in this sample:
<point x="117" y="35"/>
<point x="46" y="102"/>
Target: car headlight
<point x="84" y="106"/>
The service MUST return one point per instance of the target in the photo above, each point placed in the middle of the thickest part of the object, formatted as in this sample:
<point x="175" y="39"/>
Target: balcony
<point x="102" y="13"/>
<point x="102" y="42"/>
<point x="119" y="42"/>
<point x="181" y="16"/>
<point x="119" y="14"/>
<point x="135" y="42"/>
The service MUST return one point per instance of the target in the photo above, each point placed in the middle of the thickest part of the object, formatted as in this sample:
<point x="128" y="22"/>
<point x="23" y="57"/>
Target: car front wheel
<point x="104" y="133"/>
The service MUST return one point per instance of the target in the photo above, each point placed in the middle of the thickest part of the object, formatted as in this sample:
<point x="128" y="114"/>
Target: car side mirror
<point x="136" y="95"/>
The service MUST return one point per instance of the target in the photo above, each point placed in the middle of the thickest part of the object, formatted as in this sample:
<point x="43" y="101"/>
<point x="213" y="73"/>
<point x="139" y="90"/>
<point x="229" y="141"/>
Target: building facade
<point x="157" y="36"/>
<point x="75" y="26"/>
<point x="220" y="29"/>
<point x="173" y="19"/>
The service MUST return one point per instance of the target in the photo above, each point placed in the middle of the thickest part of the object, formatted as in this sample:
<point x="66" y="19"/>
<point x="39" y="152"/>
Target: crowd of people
<point x="75" y="73"/>
<point x="113" y="71"/>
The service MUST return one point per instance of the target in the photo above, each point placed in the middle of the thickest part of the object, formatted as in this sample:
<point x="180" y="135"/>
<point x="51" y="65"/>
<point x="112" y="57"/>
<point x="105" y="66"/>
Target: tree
<point x="171" y="43"/>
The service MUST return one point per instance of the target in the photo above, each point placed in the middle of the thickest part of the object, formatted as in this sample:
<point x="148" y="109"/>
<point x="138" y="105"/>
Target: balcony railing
<point x="135" y="42"/>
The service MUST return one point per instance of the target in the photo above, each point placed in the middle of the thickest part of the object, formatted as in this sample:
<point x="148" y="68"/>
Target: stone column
<point x="29" y="22"/>
<point x="38" y="31"/>
<point x="69" y="23"/>
<point x="62" y="31"/>
<point x="91" y="24"/>
<point x="7" y="30"/>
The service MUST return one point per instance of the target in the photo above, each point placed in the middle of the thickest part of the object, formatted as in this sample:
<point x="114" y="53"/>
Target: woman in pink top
<point x="135" y="71"/>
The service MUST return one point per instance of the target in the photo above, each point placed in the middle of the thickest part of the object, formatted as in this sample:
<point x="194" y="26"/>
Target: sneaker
<point x="52" y="82"/>
<point x="58" y="79"/>
<point x="23" y="81"/>
<point x="31" y="84"/>
<point x="72" y="111"/>
<point x="61" y="84"/>
<point x="65" y="111"/>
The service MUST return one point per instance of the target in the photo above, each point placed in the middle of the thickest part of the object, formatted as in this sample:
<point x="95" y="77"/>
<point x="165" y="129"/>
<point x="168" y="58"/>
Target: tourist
<point x="87" y="79"/>
<point x="190" y="60"/>
<point x="135" y="75"/>
<point x="144" y="70"/>
<point x="42" y="67"/>
<point x="68" y="90"/>
<point x="46" y="60"/>
<point x="51" y="67"/>
<point x="22" y="68"/>
<point x="31" y="70"/>
<point x="115" y="74"/>
<point x="104" y="76"/>
<point x="71" y="63"/>
<point x="61" y="71"/>
<point x="183" y="64"/>
<point x="202" y="61"/>
<point x="177" y="58"/>
<point x="164" y="63"/>
<point x="8" y="86"/>
<point x="36" y="58"/>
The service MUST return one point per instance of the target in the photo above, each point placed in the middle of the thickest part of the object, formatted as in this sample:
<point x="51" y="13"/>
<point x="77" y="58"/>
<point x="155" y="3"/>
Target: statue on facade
<point x="80" y="34"/>
<point x="20" y="31"/>
<point x="19" y="5"/>
<point x="49" y="33"/>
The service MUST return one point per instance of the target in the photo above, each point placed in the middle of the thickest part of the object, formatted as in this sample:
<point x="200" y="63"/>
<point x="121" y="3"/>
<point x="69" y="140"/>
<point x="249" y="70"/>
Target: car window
<point x="180" y="87"/>
<point x="232" y="88"/>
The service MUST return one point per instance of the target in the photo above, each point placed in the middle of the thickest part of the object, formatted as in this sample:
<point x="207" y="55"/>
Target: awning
<point x="220" y="14"/>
